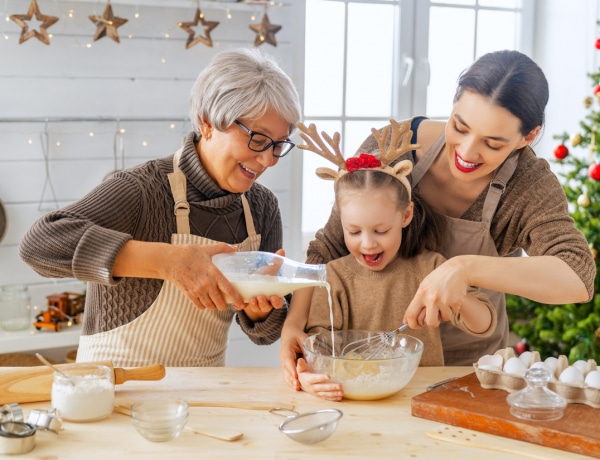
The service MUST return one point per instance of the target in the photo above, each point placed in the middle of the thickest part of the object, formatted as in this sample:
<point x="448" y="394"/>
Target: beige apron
<point x="469" y="237"/>
<point x="173" y="331"/>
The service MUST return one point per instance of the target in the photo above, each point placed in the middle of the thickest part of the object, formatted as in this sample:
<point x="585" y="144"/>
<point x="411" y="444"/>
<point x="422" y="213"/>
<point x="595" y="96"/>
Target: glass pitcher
<point x="256" y="273"/>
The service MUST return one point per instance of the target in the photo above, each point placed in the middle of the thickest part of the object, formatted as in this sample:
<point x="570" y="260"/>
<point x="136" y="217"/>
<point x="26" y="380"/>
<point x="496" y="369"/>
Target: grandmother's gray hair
<point x="242" y="83"/>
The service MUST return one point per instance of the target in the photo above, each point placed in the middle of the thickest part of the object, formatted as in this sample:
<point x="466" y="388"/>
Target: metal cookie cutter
<point x="16" y="437"/>
<point x="11" y="413"/>
<point x="46" y="420"/>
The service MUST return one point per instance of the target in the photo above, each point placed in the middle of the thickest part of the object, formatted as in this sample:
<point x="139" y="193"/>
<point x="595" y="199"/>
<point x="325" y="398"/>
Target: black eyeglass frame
<point x="272" y="143"/>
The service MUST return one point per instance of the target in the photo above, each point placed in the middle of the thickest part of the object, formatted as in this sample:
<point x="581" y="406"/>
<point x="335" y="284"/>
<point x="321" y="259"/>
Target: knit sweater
<point x="363" y="299"/>
<point x="83" y="239"/>
<point x="532" y="215"/>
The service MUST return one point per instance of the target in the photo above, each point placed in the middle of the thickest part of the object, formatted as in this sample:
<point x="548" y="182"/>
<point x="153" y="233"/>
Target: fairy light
<point x="30" y="141"/>
<point x="172" y="126"/>
<point x="167" y="35"/>
<point x="144" y="144"/>
<point x="228" y="12"/>
<point x="91" y="134"/>
<point x="71" y="14"/>
<point x="58" y="143"/>
<point x="163" y="60"/>
<point x="253" y="17"/>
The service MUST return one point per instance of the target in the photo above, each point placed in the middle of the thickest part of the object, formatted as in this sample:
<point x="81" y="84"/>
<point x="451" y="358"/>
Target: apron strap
<point x="497" y="187"/>
<point x="179" y="190"/>
<point x="423" y="165"/>
<point x="248" y="216"/>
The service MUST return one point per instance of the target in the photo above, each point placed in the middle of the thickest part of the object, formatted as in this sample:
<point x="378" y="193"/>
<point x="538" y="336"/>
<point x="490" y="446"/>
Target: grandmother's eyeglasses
<point x="259" y="142"/>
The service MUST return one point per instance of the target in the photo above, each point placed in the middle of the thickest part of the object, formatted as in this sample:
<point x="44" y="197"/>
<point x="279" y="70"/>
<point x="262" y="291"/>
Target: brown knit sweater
<point x="83" y="239"/>
<point x="370" y="300"/>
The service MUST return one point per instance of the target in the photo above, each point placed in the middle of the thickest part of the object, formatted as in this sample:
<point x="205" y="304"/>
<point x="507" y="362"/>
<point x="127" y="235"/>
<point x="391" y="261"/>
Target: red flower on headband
<point x="363" y="161"/>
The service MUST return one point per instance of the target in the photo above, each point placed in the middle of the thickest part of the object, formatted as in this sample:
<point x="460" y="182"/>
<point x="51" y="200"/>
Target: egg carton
<point x="572" y="392"/>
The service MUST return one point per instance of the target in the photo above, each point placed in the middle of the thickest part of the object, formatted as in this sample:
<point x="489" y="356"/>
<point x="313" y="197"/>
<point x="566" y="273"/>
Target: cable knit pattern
<point x="83" y="239"/>
<point x="532" y="215"/>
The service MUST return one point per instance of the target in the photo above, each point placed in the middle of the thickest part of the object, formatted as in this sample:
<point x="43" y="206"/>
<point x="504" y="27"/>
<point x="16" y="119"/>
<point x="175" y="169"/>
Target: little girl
<point x="389" y="237"/>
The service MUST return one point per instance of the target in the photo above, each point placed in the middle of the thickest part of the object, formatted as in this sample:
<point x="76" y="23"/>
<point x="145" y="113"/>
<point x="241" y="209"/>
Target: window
<point x="369" y="61"/>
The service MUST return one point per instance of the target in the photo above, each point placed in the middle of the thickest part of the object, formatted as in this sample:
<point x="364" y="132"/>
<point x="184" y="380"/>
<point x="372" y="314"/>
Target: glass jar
<point x="83" y="392"/>
<point x="15" y="307"/>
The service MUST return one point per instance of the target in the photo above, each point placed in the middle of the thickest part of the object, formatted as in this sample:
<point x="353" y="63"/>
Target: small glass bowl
<point x="159" y="420"/>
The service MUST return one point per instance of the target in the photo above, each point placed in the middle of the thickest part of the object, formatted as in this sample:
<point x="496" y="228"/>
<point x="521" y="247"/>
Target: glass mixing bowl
<point x="382" y="375"/>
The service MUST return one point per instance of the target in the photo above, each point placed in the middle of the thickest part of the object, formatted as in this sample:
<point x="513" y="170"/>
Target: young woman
<point x="388" y="236"/>
<point x="144" y="238"/>
<point x="479" y="171"/>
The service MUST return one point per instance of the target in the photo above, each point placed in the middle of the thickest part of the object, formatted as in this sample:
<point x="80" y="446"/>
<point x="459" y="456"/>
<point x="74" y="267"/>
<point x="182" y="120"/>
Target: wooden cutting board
<point x="464" y="403"/>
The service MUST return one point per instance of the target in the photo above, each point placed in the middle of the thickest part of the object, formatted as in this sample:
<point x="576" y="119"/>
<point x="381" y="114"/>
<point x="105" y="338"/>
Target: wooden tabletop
<point x="381" y="429"/>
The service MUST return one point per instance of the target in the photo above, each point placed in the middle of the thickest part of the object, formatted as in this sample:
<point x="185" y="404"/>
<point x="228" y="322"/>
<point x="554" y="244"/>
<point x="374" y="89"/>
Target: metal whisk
<point x="372" y="347"/>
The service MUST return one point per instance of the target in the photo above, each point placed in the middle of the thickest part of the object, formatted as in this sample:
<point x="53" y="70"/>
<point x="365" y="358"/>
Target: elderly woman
<point x="143" y="239"/>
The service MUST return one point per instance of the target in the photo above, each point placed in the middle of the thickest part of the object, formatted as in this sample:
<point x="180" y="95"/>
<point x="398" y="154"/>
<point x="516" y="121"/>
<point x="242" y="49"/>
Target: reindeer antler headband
<point x="399" y="144"/>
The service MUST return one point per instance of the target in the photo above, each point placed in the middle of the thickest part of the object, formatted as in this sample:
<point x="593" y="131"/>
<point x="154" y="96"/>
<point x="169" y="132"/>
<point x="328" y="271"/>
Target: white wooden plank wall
<point x="146" y="76"/>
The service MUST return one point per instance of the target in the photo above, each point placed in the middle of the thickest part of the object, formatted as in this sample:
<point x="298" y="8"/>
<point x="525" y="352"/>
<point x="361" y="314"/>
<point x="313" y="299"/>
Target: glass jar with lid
<point x="15" y="307"/>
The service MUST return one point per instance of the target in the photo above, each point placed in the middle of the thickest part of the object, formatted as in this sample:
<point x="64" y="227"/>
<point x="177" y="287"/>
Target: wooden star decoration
<point x="265" y="31"/>
<point x="46" y="21"/>
<point x="107" y="24"/>
<point x="207" y="25"/>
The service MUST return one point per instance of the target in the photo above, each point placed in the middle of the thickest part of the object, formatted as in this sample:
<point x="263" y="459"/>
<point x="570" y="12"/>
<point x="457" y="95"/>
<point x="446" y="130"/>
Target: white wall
<point x="147" y="76"/>
<point x="564" y="48"/>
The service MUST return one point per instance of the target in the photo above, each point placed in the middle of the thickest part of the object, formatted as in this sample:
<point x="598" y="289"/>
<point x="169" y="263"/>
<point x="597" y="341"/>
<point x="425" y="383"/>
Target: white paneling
<point x="146" y="76"/>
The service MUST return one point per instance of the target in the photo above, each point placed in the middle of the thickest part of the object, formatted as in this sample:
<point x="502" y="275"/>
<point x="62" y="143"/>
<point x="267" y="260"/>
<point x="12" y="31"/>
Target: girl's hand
<point x="291" y="348"/>
<point x="318" y="384"/>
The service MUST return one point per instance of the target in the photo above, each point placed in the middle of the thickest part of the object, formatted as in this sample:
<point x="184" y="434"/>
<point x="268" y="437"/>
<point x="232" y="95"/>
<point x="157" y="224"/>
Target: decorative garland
<point x="108" y="23"/>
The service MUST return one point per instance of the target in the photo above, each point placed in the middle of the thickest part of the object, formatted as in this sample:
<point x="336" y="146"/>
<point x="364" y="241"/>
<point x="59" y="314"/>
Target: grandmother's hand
<point x="192" y="271"/>
<point x="439" y="296"/>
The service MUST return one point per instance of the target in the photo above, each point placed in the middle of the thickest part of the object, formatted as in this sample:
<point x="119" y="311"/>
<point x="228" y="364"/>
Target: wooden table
<point x="381" y="429"/>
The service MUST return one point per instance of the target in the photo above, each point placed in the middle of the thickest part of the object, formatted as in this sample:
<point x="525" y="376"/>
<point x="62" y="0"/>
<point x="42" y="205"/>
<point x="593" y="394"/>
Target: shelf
<point x="34" y="340"/>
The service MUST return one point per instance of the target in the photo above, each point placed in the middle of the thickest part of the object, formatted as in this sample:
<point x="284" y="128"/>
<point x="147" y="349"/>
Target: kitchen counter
<point x="368" y="429"/>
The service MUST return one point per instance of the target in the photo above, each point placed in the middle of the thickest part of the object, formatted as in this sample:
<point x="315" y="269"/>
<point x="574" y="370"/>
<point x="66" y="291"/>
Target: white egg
<point x="489" y="367"/>
<point x="515" y="366"/>
<point x="525" y="358"/>
<point x="593" y="379"/>
<point x="571" y="375"/>
<point x="490" y="361"/>
<point x="552" y="362"/>
<point x="542" y="365"/>
<point x="580" y="364"/>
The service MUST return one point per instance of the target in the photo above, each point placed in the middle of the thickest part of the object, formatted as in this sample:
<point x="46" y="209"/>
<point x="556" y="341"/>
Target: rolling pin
<point x="34" y="384"/>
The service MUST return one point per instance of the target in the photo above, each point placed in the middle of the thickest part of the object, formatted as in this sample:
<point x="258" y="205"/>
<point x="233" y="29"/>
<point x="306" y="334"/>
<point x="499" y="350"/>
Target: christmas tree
<point x="573" y="329"/>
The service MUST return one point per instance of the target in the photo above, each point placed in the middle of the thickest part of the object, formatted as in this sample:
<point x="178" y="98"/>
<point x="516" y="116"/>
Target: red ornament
<point x="363" y="161"/>
<point x="561" y="151"/>
<point x="521" y="347"/>
<point x="597" y="44"/>
<point x="596" y="89"/>
<point x="594" y="171"/>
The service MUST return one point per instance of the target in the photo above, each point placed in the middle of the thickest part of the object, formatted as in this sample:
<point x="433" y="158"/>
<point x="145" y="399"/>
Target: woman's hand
<point x="188" y="267"/>
<point x="318" y="384"/>
<point x="439" y="295"/>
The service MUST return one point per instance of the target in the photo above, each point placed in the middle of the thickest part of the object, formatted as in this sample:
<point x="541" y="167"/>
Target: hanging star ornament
<point x="26" y="34"/>
<point x="107" y="24"/>
<point x="265" y="31"/>
<point x="207" y="25"/>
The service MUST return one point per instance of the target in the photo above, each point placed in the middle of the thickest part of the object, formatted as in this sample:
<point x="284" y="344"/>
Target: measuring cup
<point x="310" y="427"/>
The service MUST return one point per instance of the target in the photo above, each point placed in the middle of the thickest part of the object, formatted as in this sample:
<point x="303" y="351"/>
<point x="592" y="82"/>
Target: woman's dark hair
<point x="425" y="230"/>
<point x="510" y="80"/>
